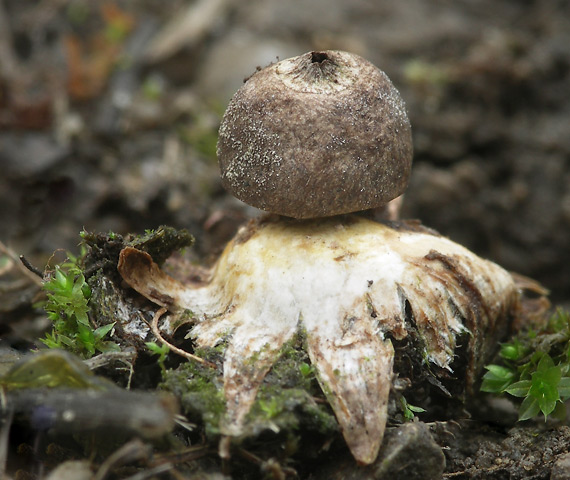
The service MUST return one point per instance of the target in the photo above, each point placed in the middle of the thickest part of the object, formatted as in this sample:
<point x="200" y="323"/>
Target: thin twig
<point x="35" y="270"/>
<point x="189" y="454"/>
<point x="126" y="358"/>
<point x="133" y="451"/>
<point x="177" y="350"/>
<point x="165" y="467"/>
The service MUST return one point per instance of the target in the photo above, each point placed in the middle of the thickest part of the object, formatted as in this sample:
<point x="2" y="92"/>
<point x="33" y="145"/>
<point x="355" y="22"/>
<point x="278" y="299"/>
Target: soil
<point x="109" y="115"/>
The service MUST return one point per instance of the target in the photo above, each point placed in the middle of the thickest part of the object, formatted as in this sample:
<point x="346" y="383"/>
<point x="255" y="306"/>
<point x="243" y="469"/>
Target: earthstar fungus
<point x="297" y="141"/>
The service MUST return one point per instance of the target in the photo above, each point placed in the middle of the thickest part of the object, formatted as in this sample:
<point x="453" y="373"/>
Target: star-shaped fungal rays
<point x="350" y="285"/>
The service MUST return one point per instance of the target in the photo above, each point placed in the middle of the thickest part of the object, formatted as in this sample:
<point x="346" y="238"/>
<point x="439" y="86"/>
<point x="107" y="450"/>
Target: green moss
<point x="162" y="242"/>
<point x="68" y="307"/>
<point x="535" y="366"/>
<point x="288" y="409"/>
<point x="286" y="399"/>
<point x="293" y="369"/>
<point x="200" y="390"/>
<point x="215" y="354"/>
<point x="104" y="249"/>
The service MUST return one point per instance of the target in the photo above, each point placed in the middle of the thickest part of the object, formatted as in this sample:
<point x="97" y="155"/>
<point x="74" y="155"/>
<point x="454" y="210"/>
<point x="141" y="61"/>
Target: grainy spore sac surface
<point x="321" y="134"/>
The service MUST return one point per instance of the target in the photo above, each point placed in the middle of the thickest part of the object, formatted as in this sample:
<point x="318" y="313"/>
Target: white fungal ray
<point x="350" y="285"/>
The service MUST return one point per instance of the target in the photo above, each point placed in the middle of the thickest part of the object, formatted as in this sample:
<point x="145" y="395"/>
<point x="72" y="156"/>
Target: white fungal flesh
<point x="346" y="283"/>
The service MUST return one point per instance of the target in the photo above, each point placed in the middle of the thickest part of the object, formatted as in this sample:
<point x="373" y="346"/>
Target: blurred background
<point x="109" y="113"/>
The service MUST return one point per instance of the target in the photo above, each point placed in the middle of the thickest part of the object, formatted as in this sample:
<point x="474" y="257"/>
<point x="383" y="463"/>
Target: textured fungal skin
<point x="317" y="135"/>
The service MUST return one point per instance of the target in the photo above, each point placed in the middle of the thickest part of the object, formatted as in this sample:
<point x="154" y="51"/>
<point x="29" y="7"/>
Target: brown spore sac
<point x="321" y="134"/>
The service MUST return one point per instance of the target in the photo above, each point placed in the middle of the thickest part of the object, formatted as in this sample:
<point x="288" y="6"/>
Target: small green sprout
<point x="306" y="370"/>
<point x="535" y="367"/>
<point x="161" y="351"/>
<point x="409" y="410"/>
<point x="67" y="306"/>
<point x="271" y="408"/>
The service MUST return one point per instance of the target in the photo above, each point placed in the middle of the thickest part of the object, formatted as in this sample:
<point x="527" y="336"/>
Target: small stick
<point x="133" y="451"/>
<point x="177" y="350"/>
<point x="31" y="267"/>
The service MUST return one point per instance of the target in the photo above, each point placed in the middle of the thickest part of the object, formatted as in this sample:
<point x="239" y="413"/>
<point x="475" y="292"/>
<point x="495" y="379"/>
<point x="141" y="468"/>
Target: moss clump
<point x="289" y="409"/>
<point x="200" y="390"/>
<point x="110" y="301"/>
<point x="104" y="249"/>
<point x="288" y="397"/>
<point x="162" y="242"/>
<point x="68" y="307"/>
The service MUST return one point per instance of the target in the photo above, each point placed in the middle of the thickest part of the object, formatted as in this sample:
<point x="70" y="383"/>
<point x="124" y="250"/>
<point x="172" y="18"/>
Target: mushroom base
<point x="353" y="288"/>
